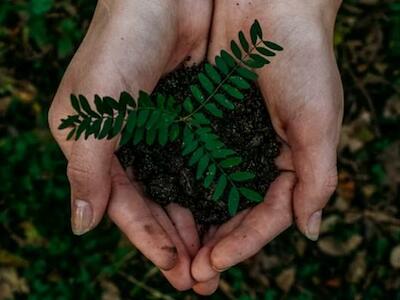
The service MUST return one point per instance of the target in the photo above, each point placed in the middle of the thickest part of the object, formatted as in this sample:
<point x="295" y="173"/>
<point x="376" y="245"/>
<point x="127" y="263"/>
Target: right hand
<point x="130" y="44"/>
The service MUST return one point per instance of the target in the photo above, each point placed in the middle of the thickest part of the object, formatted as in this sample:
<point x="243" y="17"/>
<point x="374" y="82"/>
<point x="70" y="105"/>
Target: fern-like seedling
<point x="160" y="119"/>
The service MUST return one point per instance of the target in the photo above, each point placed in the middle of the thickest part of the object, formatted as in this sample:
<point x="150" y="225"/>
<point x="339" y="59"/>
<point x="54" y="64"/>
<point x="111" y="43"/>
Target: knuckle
<point x="330" y="185"/>
<point x="120" y="179"/>
<point x="78" y="176"/>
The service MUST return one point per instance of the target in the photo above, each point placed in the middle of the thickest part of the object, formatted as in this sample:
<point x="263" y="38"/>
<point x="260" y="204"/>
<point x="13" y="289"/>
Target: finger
<point x="185" y="225"/>
<point x="131" y="214"/>
<point x="179" y="276"/>
<point x="260" y="226"/>
<point x="88" y="172"/>
<point x="317" y="180"/>
<point x="202" y="269"/>
<point x="207" y="288"/>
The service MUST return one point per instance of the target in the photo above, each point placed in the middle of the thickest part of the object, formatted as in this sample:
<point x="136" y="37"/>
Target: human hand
<point x="129" y="46"/>
<point x="303" y="93"/>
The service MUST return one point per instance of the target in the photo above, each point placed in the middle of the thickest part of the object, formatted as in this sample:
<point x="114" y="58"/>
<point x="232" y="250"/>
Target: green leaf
<point x="84" y="126"/>
<point x="196" y="156"/>
<point x="125" y="137"/>
<point x="160" y="101"/>
<point x="154" y="118"/>
<point x="221" y="65"/>
<point x="232" y="91"/>
<point x="246" y="73"/>
<point x="202" y="166"/>
<point x="68" y="122"/>
<point x="265" y="51"/>
<point x="171" y="103"/>
<point x="231" y="162"/>
<point x="111" y="103"/>
<point x="144" y="99"/>
<point x="220" y="187"/>
<point x="198" y="95"/>
<point x="99" y="104"/>
<point x="151" y="136"/>
<point x="75" y="103"/>
<point x="201" y="119"/>
<point x="213" y="144"/>
<point x="260" y="59"/>
<point x="188" y="105"/>
<point x="214" y="110"/>
<point x="138" y="136"/>
<point x="230" y="61"/>
<point x="131" y="123"/>
<point x="243" y="41"/>
<point x="210" y="175"/>
<point x="95" y="127"/>
<point x="188" y="136"/>
<point x="163" y="135"/>
<point x="255" y="32"/>
<point x="212" y="73"/>
<point x="174" y="132"/>
<point x="222" y="153"/>
<point x="223" y="101"/>
<point x="107" y="126"/>
<point x="233" y="201"/>
<point x="255" y="64"/>
<point x="206" y="83"/>
<point x="107" y="109"/>
<point x="251" y="195"/>
<point x="119" y="121"/>
<point x="236" y="50"/>
<point x="242" y="176"/>
<point x="273" y="46"/>
<point x="240" y="82"/>
<point x="127" y="99"/>
<point x="203" y="130"/>
<point x="190" y="147"/>
<point x="71" y="134"/>
<point x="142" y="117"/>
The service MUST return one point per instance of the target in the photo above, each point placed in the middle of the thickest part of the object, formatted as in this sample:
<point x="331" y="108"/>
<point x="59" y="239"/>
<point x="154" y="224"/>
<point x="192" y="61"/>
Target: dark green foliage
<point x="156" y="119"/>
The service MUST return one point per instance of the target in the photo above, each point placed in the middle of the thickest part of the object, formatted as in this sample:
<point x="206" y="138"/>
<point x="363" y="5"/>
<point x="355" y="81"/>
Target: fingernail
<point x="313" y="226"/>
<point x="81" y="217"/>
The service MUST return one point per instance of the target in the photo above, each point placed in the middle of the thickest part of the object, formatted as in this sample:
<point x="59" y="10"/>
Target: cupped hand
<point x="130" y="44"/>
<point x="303" y="94"/>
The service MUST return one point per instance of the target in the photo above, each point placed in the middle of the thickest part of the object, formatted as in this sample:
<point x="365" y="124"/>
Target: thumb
<point x="88" y="172"/>
<point x="314" y="161"/>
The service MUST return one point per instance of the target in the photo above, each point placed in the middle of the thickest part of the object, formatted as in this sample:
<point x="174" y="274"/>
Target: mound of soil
<point x="165" y="174"/>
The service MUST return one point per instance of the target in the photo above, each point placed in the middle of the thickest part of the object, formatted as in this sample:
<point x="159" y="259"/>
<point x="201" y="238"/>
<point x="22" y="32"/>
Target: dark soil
<point x="165" y="174"/>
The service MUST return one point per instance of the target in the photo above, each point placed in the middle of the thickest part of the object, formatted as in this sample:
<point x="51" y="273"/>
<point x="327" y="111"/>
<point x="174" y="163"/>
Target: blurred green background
<point x="357" y="256"/>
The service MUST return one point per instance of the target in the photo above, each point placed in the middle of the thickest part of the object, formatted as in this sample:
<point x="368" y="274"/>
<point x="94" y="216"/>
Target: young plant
<point x="159" y="118"/>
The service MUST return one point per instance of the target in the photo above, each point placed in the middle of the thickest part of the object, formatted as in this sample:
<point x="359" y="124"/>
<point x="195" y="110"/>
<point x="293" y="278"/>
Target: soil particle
<point x="165" y="174"/>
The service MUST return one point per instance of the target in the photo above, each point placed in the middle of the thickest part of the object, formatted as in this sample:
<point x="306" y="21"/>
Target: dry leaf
<point x="110" y="291"/>
<point x="328" y="223"/>
<point x="12" y="260"/>
<point x="11" y="283"/>
<point x="357" y="268"/>
<point x="331" y="246"/>
<point x="285" y="279"/>
<point x="395" y="257"/>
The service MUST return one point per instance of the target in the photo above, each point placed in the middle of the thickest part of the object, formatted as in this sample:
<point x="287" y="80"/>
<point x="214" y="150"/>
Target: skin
<point x="130" y="44"/>
<point x="303" y="93"/>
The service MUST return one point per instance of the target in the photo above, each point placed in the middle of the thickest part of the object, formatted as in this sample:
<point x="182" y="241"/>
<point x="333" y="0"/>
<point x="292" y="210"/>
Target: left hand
<point x="303" y="93"/>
